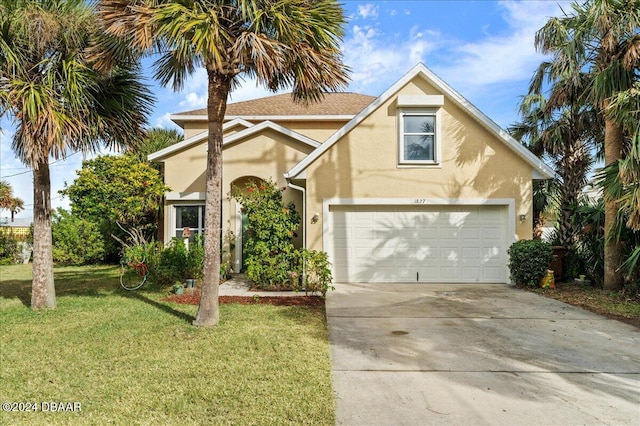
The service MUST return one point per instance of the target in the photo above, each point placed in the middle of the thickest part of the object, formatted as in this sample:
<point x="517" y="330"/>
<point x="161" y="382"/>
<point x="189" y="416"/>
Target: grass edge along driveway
<point x="129" y="358"/>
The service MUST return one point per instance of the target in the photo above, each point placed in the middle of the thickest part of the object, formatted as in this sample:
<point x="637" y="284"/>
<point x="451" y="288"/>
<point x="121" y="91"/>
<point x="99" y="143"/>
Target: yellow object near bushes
<point x="548" y="281"/>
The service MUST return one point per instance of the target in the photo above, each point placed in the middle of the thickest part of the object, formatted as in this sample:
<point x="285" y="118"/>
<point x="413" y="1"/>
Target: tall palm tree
<point x="280" y="43"/>
<point x="65" y="90"/>
<point x="564" y="127"/>
<point x="603" y="34"/>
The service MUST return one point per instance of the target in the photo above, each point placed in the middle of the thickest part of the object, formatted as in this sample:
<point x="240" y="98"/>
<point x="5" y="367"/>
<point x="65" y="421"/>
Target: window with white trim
<point x="418" y="137"/>
<point x="189" y="216"/>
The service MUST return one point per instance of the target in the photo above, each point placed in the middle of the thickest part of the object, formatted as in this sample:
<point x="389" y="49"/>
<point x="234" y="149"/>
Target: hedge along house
<point x="416" y="185"/>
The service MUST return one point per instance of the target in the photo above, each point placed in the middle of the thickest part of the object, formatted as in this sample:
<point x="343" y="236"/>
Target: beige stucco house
<point x="416" y="185"/>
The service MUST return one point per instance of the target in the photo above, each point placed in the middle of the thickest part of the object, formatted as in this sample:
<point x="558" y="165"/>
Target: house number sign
<point x="419" y="201"/>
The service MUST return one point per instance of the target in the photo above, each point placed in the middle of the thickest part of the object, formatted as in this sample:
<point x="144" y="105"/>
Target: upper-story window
<point x="418" y="138"/>
<point x="419" y="130"/>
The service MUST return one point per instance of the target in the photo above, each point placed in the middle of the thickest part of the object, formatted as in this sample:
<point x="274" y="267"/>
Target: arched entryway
<point x="238" y="222"/>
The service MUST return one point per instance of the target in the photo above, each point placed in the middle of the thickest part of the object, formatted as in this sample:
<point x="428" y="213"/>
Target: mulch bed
<point x="194" y="299"/>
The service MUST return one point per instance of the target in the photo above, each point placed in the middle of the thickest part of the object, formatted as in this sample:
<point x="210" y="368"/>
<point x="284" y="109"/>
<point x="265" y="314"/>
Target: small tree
<point x="272" y="225"/>
<point x="75" y="241"/>
<point x="117" y="189"/>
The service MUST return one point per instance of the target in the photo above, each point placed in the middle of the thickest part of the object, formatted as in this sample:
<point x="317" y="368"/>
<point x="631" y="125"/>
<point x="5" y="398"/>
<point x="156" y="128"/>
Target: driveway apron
<point x="477" y="354"/>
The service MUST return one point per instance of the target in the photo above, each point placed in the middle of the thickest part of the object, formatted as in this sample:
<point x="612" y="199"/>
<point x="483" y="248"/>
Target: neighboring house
<point x="19" y="227"/>
<point x="414" y="185"/>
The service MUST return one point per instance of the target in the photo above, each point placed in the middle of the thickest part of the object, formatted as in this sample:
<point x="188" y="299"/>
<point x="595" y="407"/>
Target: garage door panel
<point x="434" y="243"/>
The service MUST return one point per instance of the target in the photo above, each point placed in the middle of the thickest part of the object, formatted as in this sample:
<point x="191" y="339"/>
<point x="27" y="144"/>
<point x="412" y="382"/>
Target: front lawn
<point x="130" y="358"/>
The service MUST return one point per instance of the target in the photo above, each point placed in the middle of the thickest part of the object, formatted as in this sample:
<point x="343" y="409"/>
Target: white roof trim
<point x="201" y="117"/>
<point x="194" y="140"/>
<point x="273" y="126"/>
<point x="253" y="129"/>
<point x="449" y="93"/>
<point x="236" y="122"/>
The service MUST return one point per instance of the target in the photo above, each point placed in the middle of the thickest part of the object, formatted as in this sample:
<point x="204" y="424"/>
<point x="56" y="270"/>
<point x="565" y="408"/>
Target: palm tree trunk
<point x="208" y="312"/>
<point x="613" y="278"/>
<point x="43" y="293"/>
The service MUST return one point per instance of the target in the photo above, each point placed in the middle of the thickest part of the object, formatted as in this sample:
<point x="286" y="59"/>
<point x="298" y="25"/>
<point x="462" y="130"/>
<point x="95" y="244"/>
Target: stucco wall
<point x="265" y="156"/>
<point x="364" y="164"/>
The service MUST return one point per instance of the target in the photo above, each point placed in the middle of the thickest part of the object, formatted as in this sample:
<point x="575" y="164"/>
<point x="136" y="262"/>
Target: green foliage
<point x="269" y="268"/>
<point x="589" y="218"/>
<point x="76" y="241"/>
<point x="272" y="261"/>
<point x="9" y="247"/>
<point x="117" y="189"/>
<point x="529" y="261"/>
<point x="175" y="262"/>
<point x="269" y="251"/>
<point x="315" y="269"/>
<point x="154" y="140"/>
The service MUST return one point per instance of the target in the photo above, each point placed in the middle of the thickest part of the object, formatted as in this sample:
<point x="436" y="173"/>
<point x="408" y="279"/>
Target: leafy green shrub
<point x="171" y="264"/>
<point x="589" y="218"/>
<point x="175" y="262"/>
<point x="112" y="190"/>
<point x="76" y="241"/>
<point x="315" y="269"/>
<point x="529" y="261"/>
<point x="9" y="249"/>
<point x="269" y="252"/>
<point x="194" y="267"/>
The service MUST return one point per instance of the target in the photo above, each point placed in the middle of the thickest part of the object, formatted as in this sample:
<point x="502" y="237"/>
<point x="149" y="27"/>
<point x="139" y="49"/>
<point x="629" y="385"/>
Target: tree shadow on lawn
<point x="99" y="281"/>
<point x="163" y="307"/>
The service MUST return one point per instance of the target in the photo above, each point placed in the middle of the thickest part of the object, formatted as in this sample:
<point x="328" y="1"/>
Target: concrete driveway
<point x="424" y="354"/>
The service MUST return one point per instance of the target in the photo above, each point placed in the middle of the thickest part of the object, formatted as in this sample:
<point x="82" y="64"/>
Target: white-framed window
<point x="189" y="216"/>
<point x="419" y="136"/>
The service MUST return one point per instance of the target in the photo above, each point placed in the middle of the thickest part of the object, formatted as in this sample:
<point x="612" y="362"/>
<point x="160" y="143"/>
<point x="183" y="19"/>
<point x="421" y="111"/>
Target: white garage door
<point x="418" y="243"/>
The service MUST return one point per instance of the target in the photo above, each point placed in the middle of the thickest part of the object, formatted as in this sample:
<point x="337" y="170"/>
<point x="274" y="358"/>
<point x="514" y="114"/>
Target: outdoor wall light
<point x="315" y="218"/>
<point x="523" y="217"/>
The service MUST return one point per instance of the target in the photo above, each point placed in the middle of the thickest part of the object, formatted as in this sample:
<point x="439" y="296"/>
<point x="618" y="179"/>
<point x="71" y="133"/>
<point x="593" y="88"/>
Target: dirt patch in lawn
<point x="194" y="299"/>
<point x="616" y="305"/>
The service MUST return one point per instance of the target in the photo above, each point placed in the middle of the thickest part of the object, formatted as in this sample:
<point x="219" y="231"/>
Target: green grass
<point x="130" y="358"/>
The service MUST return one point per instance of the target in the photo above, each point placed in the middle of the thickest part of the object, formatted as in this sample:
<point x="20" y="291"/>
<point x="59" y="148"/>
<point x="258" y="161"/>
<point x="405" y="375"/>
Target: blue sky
<point x="484" y="49"/>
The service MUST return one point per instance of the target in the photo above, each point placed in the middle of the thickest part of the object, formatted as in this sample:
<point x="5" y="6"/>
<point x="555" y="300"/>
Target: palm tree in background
<point x="565" y="128"/>
<point x="8" y="201"/>
<point x="603" y="35"/>
<point x="67" y="87"/>
<point x="281" y="43"/>
<point x="154" y="140"/>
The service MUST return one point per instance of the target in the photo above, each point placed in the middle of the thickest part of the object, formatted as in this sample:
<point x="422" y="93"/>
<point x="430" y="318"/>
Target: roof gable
<point x="250" y="130"/>
<point x="541" y="170"/>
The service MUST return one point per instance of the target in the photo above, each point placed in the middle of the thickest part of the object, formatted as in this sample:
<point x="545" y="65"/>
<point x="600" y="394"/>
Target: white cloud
<point x="499" y="59"/>
<point x="367" y="10"/>
<point x="376" y="62"/>
<point x="194" y="100"/>
<point x="164" y="121"/>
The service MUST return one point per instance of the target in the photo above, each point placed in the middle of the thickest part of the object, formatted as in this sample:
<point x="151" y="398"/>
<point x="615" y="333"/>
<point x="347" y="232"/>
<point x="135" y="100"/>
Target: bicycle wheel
<point x="132" y="278"/>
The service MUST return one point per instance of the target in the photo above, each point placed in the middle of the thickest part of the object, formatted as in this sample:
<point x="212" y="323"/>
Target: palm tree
<point x="6" y="194"/>
<point x="280" y="43"/>
<point x="564" y="127"/>
<point x="154" y="140"/>
<point x="17" y="205"/>
<point x="66" y="90"/>
<point x="602" y="34"/>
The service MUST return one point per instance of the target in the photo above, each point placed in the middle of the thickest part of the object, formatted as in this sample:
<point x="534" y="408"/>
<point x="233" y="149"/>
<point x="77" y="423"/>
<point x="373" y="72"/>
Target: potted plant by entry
<point x="178" y="288"/>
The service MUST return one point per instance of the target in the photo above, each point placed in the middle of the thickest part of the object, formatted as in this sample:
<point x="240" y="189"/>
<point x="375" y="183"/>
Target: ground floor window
<point x="191" y="217"/>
